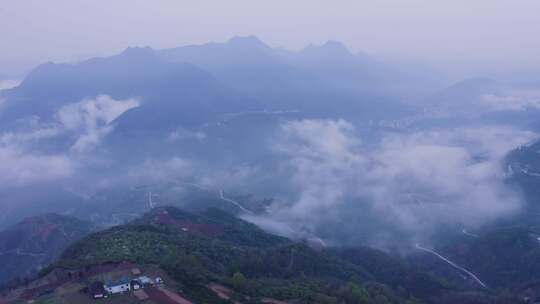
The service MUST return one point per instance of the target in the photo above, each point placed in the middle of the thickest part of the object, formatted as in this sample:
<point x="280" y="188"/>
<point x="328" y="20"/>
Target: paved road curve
<point x="474" y="277"/>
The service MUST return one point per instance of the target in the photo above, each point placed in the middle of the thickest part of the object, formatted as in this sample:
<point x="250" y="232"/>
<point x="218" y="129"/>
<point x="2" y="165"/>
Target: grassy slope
<point x="240" y="256"/>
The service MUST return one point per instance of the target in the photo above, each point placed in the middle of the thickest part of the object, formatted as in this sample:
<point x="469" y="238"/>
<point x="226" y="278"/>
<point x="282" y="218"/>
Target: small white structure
<point x="136" y="284"/>
<point x="159" y="280"/>
<point x="118" y="286"/>
<point x="145" y="281"/>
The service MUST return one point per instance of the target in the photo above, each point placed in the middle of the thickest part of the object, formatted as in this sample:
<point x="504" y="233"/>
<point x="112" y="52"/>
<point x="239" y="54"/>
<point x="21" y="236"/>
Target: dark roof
<point x="122" y="281"/>
<point x="96" y="288"/>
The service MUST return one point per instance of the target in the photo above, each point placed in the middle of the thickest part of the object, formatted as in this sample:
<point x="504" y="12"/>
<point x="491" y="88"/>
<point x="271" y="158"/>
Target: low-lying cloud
<point x="512" y="99"/>
<point x="19" y="167"/>
<point x="510" y="103"/>
<point x="9" y="83"/>
<point x="92" y="118"/>
<point x="183" y="134"/>
<point x="24" y="156"/>
<point x="407" y="183"/>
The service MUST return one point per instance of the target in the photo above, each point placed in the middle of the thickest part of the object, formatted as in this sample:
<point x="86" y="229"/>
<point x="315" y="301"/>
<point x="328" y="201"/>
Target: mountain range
<point x="151" y="157"/>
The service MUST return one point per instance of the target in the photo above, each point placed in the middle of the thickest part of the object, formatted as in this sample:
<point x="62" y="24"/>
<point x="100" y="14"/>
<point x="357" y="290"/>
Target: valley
<point x="239" y="172"/>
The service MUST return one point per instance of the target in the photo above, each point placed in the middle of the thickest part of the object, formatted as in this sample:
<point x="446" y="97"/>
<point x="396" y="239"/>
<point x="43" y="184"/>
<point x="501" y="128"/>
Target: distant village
<point x="136" y="284"/>
<point x="99" y="283"/>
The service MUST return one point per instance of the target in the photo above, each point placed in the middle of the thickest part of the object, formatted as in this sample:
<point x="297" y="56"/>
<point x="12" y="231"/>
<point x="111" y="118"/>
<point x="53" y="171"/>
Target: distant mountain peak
<point x="247" y="41"/>
<point x="334" y="44"/>
<point x="331" y="47"/>
<point x="134" y="52"/>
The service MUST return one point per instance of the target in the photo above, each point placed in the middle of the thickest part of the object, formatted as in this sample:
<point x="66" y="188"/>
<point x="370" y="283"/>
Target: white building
<point x="118" y="286"/>
<point x="145" y="281"/>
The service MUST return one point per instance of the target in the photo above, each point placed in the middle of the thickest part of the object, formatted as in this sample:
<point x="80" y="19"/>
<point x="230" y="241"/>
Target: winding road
<point x="319" y="240"/>
<point x="291" y="261"/>
<point x="222" y="196"/>
<point x="470" y="274"/>
<point x="150" y="202"/>
<point x="469" y="234"/>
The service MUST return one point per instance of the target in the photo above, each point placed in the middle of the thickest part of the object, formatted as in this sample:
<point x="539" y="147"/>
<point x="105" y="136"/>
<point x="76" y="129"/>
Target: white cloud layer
<point x="516" y="102"/>
<point x="23" y="162"/>
<point x="183" y="134"/>
<point x="19" y="167"/>
<point x="92" y="118"/>
<point x="9" y="83"/>
<point x="411" y="182"/>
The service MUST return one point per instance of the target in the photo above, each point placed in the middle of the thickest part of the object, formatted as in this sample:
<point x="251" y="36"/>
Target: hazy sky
<point x="452" y="33"/>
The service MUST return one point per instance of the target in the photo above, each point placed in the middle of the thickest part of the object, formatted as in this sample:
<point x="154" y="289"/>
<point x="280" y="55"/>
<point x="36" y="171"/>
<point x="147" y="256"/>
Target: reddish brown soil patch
<point x="39" y="227"/>
<point x="46" y="231"/>
<point x="220" y="290"/>
<point x="32" y="293"/>
<point x="63" y="276"/>
<point x="140" y="294"/>
<point x="187" y="226"/>
<point x="163" y="296"/>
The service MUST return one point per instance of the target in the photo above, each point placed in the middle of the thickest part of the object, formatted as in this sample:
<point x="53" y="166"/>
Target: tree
<point x="239" y="281"/>
<point x="355" y="294"/>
